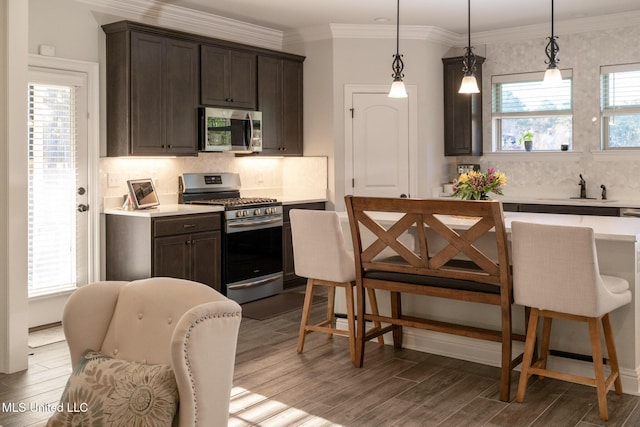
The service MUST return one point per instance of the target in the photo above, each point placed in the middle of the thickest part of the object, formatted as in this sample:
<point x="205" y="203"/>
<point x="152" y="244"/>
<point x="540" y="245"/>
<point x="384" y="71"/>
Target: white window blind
<point x="620" y="105"/>
<point x="521" y="103"/>
<point x="52" y="183"/>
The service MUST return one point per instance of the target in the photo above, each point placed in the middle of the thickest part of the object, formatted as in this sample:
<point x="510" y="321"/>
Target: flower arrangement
<point x="476" y="185"/>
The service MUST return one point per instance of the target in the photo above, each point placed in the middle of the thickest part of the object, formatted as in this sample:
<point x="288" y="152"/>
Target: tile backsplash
<point x="556" y="174"/>
<point x="264" y="176"/>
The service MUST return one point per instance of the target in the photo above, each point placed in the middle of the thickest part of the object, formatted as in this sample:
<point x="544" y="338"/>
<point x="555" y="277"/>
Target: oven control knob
<point x="245" y="213"/>
<point x="238" y="213"/>
<point x="256" y="212"/>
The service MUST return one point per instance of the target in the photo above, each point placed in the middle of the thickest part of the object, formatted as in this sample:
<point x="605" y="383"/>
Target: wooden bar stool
<point x="555" y="272"/>
<point x="320" y="254"/>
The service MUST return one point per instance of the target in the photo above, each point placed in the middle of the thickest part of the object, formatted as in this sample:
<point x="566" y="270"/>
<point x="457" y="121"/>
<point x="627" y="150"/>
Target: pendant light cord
<point x="398" y="28"/>
<point x="469" y="24"/>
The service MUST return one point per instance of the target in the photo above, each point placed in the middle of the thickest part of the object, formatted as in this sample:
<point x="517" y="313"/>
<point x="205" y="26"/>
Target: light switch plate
<point x="47" y="50"/>
<point x="113" y="180"/>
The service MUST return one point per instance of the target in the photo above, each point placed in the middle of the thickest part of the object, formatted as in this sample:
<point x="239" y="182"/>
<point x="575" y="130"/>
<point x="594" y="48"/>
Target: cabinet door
<point x="227" y="78"/>
<point x="270" y="103"/>
<point x="242" y="80"/>
<point x="181" y="85"/>
<point x="292" y="108"/>
<point x="214" y="77"/>
<point x="172" y="256"/>
<point x="205" y="254"/>
<point x="288" y="268"/>
<point x="462" y="112"/>
<point x="147" y="102"/>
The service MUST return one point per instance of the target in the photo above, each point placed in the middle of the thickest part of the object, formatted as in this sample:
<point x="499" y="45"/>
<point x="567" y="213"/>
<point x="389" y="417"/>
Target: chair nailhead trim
<point x="186" y="358"/>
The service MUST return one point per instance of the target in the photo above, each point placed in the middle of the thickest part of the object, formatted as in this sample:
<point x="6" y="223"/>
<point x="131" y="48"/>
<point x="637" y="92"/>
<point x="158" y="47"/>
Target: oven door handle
<point x="253" y="284"/>
<point x="253" y="223"/>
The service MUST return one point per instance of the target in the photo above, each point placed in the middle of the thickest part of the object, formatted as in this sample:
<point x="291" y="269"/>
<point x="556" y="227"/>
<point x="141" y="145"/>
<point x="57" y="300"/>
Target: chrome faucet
<point x="604" y="192"/>
<point x="583" y="187"/>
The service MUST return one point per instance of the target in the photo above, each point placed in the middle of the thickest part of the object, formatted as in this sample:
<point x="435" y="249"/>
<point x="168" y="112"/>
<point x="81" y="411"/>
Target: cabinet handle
<point x="189" y="225"/>
<point x="187" y="242"/>
<point x="169" y="146"/>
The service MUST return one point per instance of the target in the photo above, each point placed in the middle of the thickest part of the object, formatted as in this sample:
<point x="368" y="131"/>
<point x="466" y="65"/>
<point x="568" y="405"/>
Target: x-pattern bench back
<point x="416" y="214"/>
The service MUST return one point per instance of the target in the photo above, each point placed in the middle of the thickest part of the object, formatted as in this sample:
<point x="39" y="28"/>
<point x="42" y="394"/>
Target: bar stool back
<point x="556" y="274"/>
<point x="320" y="254"/>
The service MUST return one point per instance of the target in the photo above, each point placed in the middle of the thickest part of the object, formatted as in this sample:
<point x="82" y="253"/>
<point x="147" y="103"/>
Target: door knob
<point x="81" y="191"/>
<point x="83" y="208"/>
<point x="403" y="196"/>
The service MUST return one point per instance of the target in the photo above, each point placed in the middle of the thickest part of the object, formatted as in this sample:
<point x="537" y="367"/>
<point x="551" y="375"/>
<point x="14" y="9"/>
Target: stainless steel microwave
<point x="237" y="131"/>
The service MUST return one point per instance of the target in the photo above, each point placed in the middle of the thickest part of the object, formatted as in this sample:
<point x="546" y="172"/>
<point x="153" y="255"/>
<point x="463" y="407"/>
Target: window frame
<point x="608" y="112"/>
<point x="497" y="117"/>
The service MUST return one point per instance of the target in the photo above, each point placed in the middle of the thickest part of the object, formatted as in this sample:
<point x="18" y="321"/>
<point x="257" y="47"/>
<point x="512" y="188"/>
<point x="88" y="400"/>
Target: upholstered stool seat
<point x="321" y="255"/>
<point x="556" y="274"/>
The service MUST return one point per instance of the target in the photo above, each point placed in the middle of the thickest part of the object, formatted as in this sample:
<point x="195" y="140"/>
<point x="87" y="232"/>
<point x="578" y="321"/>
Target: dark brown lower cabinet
<point x="562" y="209"/>
<point x="181" y="246"/>
<point x="288" y="267"/>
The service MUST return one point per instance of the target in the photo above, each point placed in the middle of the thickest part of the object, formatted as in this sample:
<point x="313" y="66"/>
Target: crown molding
<point x="573" y="26"/>
<point x="188" y="20"/>
<point x="358" y="31"/>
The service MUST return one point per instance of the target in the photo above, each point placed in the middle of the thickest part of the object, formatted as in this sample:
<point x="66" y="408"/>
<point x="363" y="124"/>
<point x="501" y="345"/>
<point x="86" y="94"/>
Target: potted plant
<point x="527" y="139"/>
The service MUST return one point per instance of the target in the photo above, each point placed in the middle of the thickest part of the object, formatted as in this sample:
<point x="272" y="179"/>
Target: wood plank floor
<point x="275" y="386"/>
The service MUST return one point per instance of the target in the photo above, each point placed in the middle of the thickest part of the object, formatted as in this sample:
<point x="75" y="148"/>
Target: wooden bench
<point x="443" y="263"/>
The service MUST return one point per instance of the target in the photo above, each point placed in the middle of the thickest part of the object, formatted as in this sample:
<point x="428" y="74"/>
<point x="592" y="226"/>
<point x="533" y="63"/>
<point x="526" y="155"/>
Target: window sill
<point x="533" y="155"/>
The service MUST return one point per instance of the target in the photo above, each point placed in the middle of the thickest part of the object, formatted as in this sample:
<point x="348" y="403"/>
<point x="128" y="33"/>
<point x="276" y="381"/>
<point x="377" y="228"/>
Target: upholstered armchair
<point x="183" y="327"/>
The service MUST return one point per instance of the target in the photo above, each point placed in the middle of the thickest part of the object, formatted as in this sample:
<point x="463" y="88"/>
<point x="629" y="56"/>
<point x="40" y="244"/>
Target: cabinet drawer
<point x="185" y="224"/>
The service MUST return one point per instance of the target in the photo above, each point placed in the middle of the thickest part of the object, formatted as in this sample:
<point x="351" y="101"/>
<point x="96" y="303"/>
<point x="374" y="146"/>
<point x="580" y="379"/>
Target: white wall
<point x="13" y="161"/>
<point x="67" y="25"/>
<point x="368" y="61"/>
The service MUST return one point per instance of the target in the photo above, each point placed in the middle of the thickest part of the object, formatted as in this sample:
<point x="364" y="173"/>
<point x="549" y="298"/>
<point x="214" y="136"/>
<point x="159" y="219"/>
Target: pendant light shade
<point x="397" y="87"/>
<point x="469" y="82"/>
<point x="552" y="76"/>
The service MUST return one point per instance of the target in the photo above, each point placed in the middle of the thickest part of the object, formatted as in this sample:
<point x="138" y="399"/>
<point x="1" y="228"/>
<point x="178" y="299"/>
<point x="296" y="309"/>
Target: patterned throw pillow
<point x="103" y="391"/>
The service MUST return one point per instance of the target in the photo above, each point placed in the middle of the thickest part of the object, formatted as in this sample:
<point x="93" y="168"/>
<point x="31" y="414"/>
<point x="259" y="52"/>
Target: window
<point x="520" y="104"/>
<point x="620" y="109"/>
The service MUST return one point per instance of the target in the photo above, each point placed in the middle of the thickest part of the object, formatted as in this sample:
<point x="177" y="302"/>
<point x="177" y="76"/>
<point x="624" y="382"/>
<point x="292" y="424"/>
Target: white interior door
<point x="380" y="145"/>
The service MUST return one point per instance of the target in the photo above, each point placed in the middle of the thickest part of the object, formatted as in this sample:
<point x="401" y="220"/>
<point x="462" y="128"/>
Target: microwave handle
<point x="251" y="129"/>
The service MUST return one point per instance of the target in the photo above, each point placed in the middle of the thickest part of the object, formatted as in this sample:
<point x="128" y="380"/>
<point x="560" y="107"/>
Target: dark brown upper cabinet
<point x="280" y="100"/>
<point x="157" y="78"/>
<point x="152" y="93"/>
<point x="228" y="77"/>
<point x="462" y="112"/>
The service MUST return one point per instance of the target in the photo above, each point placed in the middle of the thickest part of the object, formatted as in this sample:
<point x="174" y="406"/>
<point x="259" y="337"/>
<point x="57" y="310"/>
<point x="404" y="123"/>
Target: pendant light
<point x="397" y="87"/>
<point x="552" y="76"/>
<point x="469" y="83"/>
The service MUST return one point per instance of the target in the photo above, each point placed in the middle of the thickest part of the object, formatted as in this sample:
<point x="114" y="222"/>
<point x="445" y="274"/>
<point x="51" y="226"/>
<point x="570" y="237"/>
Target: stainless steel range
<point x="252" y="234"/>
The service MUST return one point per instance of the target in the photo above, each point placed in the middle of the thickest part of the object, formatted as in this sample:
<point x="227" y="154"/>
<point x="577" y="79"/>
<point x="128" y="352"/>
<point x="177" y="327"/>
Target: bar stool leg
<point x="528" y="354"/>
<point x="351" y="320"/>
<point x="306" y="311"/>
<point x="331" y="301"/>
<point x="596" y="349"/>
<point x="613" y="355"/>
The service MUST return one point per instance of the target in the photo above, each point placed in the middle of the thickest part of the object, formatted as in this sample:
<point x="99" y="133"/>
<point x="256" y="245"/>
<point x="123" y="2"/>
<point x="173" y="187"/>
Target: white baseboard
<point x="488" y="353"/>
